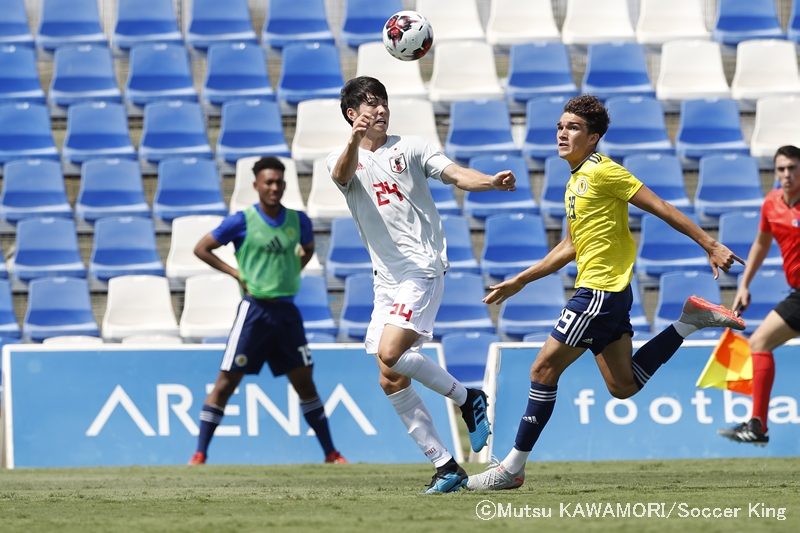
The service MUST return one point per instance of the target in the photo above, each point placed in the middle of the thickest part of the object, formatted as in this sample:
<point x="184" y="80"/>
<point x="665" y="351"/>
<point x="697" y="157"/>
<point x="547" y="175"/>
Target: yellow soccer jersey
<point x="596" y="200"/>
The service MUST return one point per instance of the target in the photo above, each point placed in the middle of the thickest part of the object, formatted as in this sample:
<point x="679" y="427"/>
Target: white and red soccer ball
<point x="407" y="35"/>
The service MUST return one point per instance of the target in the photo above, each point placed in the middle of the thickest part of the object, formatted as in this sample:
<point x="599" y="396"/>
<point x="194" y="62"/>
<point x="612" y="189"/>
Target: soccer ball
<point x="407" y="35"/>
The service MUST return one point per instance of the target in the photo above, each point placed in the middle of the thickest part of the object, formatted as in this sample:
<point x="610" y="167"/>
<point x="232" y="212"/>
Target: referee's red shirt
<point x="783" y="222"/>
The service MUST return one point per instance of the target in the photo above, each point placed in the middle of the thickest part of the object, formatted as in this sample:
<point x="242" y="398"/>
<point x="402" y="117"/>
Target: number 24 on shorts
<point x="400" y="309"/>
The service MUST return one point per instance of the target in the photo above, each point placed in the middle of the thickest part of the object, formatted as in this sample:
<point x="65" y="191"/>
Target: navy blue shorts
<point x="268" y="331"/>
<point x="594" y="319"/>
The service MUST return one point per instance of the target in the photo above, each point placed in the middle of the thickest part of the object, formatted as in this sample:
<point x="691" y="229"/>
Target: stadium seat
<point x="82" y="73"/>
<point x="173" y="129"/>
<point x="315" y="337"/>
<point x="325" y="200"/>
<point x="73" y="339"/>
<point x="595" y="21"/>
<point x="9" y="328"/>
<point x="244" y="195"/>
<point x="512" y="243"/>
<point x="402" y="79"/>
<point x="663" y="249"/>
<point x="320" y="130"/>
<point x="363" y="20"/>
<point x="617" y="69"/>
<point x="673" y="290"/>
<point x="188" y="186"/>
<point x="542" y="115"/>
<point x="690" y="69"/>
<point x="663" y="175"/>
<point x="312" y="301"/>
<point x="124" y="246"/>
<point x="740" y="20"/>
<point x="466" y="353"/>
<point x="462" y="309"/>
<point x="96" y="130"/>
<point x="309" y="71"/>
<point x="639" y="320"/>
<point x="737" y="231"/>
<point x="764" y="68"/>
<point x="212" y="22"/>
<point x="25" y="133"/>
<point x="521" y="21"/>
<point x="186" y="232"/>
<point x="57" y="307"/>
<point x="480" y="205"/>
<point x="556" y="177"/>
<point x="708" y="126"/>
<point x="793" y="27"/>
<point x="145" y="21"/>
<point x="15" y="30"/>
<point x="661" y="21"/>
<point x="357" y="306"/>
<point x="777" y="123"/>
<point x="152" y="339"/>
<point x="347" y="254"/>
<point x="235" y="71"/>
<point x="413" y="116"/>
<point x="45" y="247"/>
<point x="452" y="20"/>
<point x="138" y="305"/>
<point x="727" y="182"/>
<point x="290" y="22"/>
<point x="459" y="245"/>
<point x="463" y="70"/>
<point x="63" y="22"/>
<point x="158" y="72"/>
<point x="249" y="128"/>
<point x="210" y="304"/>
<point x="536" y="308"/>
<point x="637" y="127"/>
<point x="538" y="70"/>
<point x="33" y="188"/>
<point x="19" y="76"/>
<point x="478" y="128"/>
<point x="110" y="187"/>
<point x="444" y="198"/>
<point x="767" y="289"/>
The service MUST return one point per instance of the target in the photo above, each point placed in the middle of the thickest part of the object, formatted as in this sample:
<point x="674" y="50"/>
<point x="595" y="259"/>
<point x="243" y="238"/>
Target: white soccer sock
<point x="515" y="460"/>
<point x="414" y="365"/>
<point x="684" y="329"/>
<point x="418" y="420"/>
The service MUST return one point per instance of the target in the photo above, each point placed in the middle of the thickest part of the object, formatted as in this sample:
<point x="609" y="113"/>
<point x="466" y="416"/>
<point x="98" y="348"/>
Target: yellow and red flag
<point x="730" y="366"/>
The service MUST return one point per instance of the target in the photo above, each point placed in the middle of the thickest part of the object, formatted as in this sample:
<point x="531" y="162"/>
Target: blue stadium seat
<point x="291" y="22"/>
<point x="673" y="290"/>
<point x="83" y="73"/>
<point x="535" y="308"/>
<point x="46" y="247"/>
<point x="214" y="22"/>
<point x="347" y="255"/>
<point x="145" y="21"/>
<point x="459" y="245"/>
<point x="556" y="176"/>
<point x="539" y="69"/>
<point x="65" y="22"/>
<point x="188" y="186"/>
<point x="236" y="71"/>
<point x="664" y="249"/>
<point x="663" y="175"/>
<point x="33" y="188"/>
<point x="25" y="133"/>
<point x="97" y="130"/>
<point x="542" y="115"/>
<point x="707" y="127"/>
<point x="309" y="71"/>
<point x="312" y="300"/>
<point x="617" y="69"/>
<point x="767" y="288"/>
<point x="159" y="71"/>
<point x="58" y="306"/>
<point x="793" y="27"/>
<point x="466" y="353"/>
<point x="357" y="306"/>
<point x="444" y="198"/>
<point x="482" y="204"/>
<point x="9" y="328"/>
<point x="737" y="231"/>
<point x="639" y="320"/>
<point x="462" y="309"/>
<point x="124" y="246"/>
<point x="729" y="182"/>
<point x="512" y="243"/>
<point x="637" y="126"/>
<point x="173" y="129"/>
<point x="250" y="128"/>
<point x="19" y="77"/>
<point x="14" y="29"/>
<point x="110" y="187"/>
<point x="739" y="20"/>
<point x="479" y="127"/>
<point x="311" y="336"/>
<point x="364" y="20"/>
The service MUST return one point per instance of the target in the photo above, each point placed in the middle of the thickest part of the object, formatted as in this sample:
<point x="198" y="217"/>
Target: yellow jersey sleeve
<point x="615" y="180"/>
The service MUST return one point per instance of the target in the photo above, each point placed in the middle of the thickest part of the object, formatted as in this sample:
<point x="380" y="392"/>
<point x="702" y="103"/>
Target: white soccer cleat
<point x="496" y="477"/>
<point x="701" y="314"/>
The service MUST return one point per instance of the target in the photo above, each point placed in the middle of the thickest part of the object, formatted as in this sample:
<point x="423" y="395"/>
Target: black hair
<point x="359" y="90"/>
<point x="788" y="150"/>
<point x="590" y="109"/>
<point x="268" y="162"/>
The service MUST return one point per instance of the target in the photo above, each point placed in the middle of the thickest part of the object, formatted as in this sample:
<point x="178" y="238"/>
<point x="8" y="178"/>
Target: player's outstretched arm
<point x="469" y="179"/>
<point x="345" y="167"/>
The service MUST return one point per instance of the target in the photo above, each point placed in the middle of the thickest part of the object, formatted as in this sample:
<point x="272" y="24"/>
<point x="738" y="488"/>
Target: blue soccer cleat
<point x="447" y="481"/>
<point x="474" y="413"/>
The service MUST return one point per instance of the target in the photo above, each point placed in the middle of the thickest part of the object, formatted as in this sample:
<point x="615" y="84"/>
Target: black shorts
<point x="789" y="309"/>
<point x="266" y="331"/>
<point x="594" y="319"/>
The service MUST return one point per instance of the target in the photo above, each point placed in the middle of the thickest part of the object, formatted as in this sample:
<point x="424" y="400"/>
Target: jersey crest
<point x="398" y="163"/>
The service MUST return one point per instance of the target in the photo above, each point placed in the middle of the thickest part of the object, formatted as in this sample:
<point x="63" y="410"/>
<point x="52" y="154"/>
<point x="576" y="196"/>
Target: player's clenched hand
<point x="720" y="256"/>
<point x="503" y="290"/>
<point x="504" y="181"/>
<point x="361" y="124"/>
<point x="741" y="301"/>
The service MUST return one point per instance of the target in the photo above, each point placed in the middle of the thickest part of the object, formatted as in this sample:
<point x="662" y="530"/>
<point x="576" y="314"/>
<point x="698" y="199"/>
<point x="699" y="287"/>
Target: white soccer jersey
<point x="394" y="210"/>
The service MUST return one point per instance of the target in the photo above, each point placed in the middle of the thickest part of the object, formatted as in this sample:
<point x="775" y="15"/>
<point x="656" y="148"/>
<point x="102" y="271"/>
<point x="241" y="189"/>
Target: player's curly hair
<point x="790" y="151"/>
<point x="359" y="90"/>
<point x="269" y="162"/>
<point x="590" y="109"/>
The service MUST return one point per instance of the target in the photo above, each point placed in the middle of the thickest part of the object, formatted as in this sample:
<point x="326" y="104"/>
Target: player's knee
<point x="388" y="357"/>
